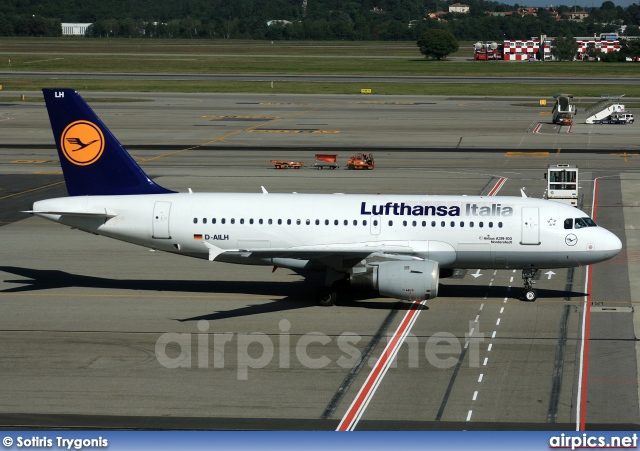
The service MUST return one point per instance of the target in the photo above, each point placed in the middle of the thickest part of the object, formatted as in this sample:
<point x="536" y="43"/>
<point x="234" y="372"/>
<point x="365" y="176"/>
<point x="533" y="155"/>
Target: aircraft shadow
<point x="478" y="291"/>
<point x="38" y="279"/>
<point x="294" y="295"/>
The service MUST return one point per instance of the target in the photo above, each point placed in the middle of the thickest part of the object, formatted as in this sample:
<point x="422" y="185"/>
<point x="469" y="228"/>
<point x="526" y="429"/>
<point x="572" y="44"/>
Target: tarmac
<point x="103" y="334"/>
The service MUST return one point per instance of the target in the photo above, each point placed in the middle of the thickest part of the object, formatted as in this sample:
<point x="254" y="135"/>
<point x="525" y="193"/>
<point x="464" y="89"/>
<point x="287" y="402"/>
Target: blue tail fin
<point x="93" y="161"/>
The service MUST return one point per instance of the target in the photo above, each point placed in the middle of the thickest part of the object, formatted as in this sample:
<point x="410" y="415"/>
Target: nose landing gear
<point x="530" y="294"/>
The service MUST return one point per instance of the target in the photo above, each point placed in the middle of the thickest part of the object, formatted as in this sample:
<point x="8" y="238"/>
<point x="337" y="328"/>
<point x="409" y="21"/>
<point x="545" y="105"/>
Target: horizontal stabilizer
<point x="88" y="214"/>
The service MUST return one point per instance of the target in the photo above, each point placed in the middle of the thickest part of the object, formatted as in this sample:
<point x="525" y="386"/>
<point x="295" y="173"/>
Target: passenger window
<point x="288" y="221"/>
<point x="335" y="222"/>
<point x="241" y="220"/>
<point x="433" y="223"/>
<point x="308" y="221"/>
<point x="390" y="223"/>
<point x="251" y="221"/>
<point x="279" y="221"/>
<point x="346" y="222"/>
<point x="355" y="222"/>
<point x="500" y="225"/>
<point x="195" y="220"/>
<point x="326" y="222"/>
<point x="233" y="220"/>
<point x="424" y="223"/>
<point x="260" y="221"/>
<point x="568" y="223"/>
<point x="442" y="224"/>
<point x="317" y="222"/>
<point x="204" y="220"/>
<point x="491" y="224"/>
<point x="364" y="223"/>
<point x="471" y="224"/>
<point x="298" y="222"/>
<point x="413" y="223"/>
<point x="213" y="220"/>
<point x="461" y="223"/>
<point x="404" y="223"/>
<point x="481" y="224"/>
<point x="453" y="224"/>
<point x="375" y="222"/>
<point x="270" y="221"/>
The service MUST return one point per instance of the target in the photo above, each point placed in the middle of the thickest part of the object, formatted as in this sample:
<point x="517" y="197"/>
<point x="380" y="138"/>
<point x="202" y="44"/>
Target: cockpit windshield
<point x="579" y="223"/>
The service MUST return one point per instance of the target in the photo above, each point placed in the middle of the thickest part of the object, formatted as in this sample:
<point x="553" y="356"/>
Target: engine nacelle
<point x="407" y="280"/>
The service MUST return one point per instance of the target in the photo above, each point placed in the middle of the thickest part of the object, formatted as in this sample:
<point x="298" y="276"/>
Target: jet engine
<point x="406" y="280"/>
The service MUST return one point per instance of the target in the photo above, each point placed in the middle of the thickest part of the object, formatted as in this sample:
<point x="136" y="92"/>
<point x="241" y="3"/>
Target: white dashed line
<point x="475" y="395"/>
<point x="501" y="310"/>
<point x="498" y="322"/>
<point x="480" y="378"/>
<point x="489" y="347"/>
<point x="469" y="415"/>
<point x="493" y="335"/>
<point x="486" y="359"/>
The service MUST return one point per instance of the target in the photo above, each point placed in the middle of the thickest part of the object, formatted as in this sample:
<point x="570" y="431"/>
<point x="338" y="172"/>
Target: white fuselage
<point x="315" y="231"/>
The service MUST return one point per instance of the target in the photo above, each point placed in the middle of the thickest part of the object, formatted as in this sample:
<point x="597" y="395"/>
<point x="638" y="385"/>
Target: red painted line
<point x="497" y="186"/>
<point x="585" y="366"/>
<point x="587" y="328"/>
<point x="362" y="398"/>
<point x="535" y="130"/>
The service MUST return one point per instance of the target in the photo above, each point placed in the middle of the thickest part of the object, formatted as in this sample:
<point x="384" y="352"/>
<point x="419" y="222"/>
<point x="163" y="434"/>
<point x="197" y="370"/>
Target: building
<point x="578" y="16"/>
<point x="74" y="29"/>
<point x="523" y="50"/>
<point x="459" y="8"/>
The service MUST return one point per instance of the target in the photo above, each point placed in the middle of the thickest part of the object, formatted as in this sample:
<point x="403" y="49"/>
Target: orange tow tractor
<point x="361" y="161"/>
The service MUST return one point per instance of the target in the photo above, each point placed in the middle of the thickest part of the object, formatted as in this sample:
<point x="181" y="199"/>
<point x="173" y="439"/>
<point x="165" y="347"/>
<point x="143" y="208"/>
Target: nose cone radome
<point x="613" y="245"/>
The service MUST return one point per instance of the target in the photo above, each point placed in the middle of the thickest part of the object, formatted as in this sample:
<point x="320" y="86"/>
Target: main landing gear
<point x="530" y="294"/>
<point x="335" y="283"/>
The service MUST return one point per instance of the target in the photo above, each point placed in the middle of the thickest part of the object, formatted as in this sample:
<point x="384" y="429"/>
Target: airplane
<point x="399" y="245"/>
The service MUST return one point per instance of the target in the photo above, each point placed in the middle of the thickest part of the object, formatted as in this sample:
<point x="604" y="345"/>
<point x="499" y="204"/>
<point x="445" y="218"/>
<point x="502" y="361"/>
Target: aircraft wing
<point x="349" y="250"/>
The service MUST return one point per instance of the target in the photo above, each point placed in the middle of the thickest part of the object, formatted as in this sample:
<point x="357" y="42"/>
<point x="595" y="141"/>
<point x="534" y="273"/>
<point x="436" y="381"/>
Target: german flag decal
<point x="197" y="237"/>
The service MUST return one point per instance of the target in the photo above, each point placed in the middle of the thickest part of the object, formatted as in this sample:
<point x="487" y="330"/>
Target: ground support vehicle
<point x="361" y="161"/>
<point x="284" y="164"/>
<point x="324" y="160"/>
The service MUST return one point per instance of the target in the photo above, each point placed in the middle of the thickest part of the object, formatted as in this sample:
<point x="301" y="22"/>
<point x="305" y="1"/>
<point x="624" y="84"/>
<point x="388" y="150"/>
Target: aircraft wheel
<point x="326" y="297"/>
<point x="530" y="295"/>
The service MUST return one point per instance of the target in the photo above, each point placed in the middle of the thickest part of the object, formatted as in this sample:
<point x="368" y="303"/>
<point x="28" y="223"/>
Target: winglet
<point x="94" y="163"/>
<point x="522" y="192"/>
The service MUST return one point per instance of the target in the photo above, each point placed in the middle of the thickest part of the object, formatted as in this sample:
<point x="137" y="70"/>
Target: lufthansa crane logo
<point x="82" y="143"/>
<point x="571" y="239"/>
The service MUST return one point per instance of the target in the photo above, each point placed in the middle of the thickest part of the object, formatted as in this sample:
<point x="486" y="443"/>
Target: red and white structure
<point x="523" y="50"/>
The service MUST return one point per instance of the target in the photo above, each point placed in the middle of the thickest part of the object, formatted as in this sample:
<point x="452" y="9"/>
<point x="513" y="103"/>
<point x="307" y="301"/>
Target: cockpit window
<point x="584" y="222"/>
<point x="579" y="223"/>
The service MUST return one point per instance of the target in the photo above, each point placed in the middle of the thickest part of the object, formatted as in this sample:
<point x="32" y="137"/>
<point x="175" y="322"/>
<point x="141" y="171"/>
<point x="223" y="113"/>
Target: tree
<point x="437" y="44"/>
<point x="564" y="48"/>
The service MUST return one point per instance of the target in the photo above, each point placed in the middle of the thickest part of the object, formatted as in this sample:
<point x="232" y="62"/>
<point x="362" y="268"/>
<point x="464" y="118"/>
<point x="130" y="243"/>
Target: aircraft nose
<point x="612" y="244"/>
